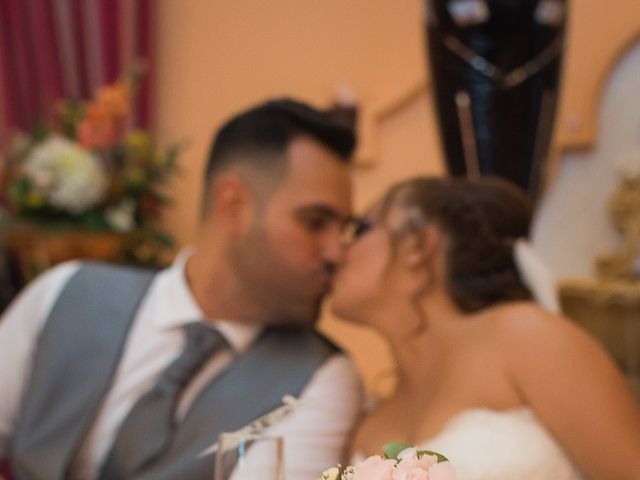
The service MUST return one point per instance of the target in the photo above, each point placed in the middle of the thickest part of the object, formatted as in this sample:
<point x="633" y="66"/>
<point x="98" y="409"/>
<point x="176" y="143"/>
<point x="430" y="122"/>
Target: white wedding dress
<point x="485" y="444"/>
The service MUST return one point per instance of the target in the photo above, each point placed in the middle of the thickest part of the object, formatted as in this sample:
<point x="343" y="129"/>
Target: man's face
<point x="285" y="261"/>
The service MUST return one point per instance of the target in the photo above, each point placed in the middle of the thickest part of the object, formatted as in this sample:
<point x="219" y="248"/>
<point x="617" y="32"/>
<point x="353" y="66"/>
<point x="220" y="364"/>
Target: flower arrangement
<point x="401" y="462"/>
<point x="87" y="170"/>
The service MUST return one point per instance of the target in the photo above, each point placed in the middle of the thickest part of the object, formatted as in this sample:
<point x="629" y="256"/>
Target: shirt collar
<point x="176" y="306"/>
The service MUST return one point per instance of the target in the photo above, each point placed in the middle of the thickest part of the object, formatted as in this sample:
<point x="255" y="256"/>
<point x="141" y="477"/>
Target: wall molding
<point x="578" y="120"/>
<point x="372" y="115"/>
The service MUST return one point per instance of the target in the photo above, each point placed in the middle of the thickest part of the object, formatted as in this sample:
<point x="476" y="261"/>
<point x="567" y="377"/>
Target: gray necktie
<point x="147" y="430"/>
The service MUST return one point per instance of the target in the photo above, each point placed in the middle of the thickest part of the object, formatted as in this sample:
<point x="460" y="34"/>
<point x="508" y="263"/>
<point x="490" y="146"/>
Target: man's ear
<point x="232" y="204"/>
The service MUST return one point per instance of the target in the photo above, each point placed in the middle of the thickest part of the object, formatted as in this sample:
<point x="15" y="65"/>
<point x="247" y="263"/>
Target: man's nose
<point x="333" y="246"/>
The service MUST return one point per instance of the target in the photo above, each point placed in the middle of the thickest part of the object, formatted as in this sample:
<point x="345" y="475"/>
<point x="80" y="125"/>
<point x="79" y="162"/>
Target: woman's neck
<point x="423" y="355"/>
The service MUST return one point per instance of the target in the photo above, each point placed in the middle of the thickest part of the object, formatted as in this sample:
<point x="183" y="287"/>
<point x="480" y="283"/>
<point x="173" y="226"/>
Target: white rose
<point x="120" y="217"/>
<point x="69" y="177"/>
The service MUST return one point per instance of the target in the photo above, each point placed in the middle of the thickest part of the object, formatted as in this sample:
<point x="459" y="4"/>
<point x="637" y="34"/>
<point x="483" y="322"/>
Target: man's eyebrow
<point x="324" y="210"/>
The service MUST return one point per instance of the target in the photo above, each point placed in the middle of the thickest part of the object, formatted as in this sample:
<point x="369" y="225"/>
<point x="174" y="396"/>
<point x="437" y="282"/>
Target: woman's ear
<point x="418" y="248"/>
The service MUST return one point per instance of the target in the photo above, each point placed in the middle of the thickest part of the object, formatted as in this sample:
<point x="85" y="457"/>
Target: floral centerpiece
<point x="401" y="462"/>
<point x="86" y="170"/>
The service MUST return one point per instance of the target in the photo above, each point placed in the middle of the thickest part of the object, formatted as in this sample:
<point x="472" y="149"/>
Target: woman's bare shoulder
<point x="526" y="332"/>
<point x="526" y="321"/>
<point x="532" y="338"/>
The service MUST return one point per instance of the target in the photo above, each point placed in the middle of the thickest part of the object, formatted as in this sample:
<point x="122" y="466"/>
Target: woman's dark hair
<point x="481" y="219"/>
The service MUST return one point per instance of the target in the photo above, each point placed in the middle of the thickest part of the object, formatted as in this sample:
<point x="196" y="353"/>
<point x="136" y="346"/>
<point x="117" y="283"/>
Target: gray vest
<point x="79" y="350"/>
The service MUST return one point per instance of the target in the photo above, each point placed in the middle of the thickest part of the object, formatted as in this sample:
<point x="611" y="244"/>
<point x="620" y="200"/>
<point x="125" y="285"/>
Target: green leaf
<point x="391" y="450"/>
<point x="164" y="239"/>
<point x="18" y="190"/>
<point x="441" y="458"/>
<point x="93" y="220"/>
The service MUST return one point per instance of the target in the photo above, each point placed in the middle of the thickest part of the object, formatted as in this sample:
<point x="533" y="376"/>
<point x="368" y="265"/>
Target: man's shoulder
<point x="94" y="288"/>
<point x="92" y="267"/>
<point x="91" y="274"/>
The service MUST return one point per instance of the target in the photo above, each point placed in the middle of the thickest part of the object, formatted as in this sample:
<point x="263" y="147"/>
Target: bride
<point x="504" y="388"/>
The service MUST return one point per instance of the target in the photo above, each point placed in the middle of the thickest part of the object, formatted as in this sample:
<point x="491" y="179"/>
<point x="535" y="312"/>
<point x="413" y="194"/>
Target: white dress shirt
<point x="315" y="434"/>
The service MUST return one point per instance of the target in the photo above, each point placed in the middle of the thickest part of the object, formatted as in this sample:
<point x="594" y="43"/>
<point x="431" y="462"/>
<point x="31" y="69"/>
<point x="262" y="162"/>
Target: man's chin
<point x="288" y="322"/>
<point x="305" y="316"/>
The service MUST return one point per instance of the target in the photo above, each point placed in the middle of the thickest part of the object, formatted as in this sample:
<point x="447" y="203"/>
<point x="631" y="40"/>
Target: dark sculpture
<point x="495" y="66"/>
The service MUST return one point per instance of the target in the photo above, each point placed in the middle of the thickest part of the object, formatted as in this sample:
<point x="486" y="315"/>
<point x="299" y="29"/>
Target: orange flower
<point x="99" y="129"/>
<point x="103" y="124"/>
<point x="116" y="99"/>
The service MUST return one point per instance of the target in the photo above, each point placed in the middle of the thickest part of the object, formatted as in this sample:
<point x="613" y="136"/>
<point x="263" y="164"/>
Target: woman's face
<point x="360" y="281"/>
<point x="371" y="277"/>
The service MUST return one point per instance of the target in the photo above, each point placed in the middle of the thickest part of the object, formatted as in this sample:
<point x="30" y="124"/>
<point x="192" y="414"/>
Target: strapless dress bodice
<point x="484" y="444"/>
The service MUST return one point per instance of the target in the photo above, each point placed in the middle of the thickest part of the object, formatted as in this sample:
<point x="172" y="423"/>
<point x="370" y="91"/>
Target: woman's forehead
<point x="397" y="216"/>
<point x="397" y="210"/>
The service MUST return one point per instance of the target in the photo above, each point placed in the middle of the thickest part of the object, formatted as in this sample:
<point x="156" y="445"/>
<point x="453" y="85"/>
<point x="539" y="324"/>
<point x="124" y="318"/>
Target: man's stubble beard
<point x="276" y="293"/>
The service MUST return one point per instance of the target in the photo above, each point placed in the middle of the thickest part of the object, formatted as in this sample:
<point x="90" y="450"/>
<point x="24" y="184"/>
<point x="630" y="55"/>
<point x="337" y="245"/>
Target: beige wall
<point x="215" y="57"/>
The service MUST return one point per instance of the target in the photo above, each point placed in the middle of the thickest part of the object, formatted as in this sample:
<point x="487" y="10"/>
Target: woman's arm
<point x="577" y="392"/>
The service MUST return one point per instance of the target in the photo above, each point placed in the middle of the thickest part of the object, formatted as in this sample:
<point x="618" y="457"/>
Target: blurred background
<point x="177" y="69"/>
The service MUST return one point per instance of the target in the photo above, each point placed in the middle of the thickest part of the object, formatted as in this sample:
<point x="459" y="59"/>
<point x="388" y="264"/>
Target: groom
<point x="116" y="373"/>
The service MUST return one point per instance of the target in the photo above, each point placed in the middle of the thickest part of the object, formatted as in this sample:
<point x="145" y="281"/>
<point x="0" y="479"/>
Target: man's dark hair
<point x="260" y="136"/>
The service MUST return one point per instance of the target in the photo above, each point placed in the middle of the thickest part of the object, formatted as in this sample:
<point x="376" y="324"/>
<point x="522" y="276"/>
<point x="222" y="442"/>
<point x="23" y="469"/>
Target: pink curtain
<point x="52" y="49"/>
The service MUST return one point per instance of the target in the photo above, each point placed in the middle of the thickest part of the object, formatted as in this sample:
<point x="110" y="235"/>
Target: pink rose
<point x="411" y="474"/>
<point x="442" y="471"/>
<point x="374" y="468"/>
<point x="409" y="460"/>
